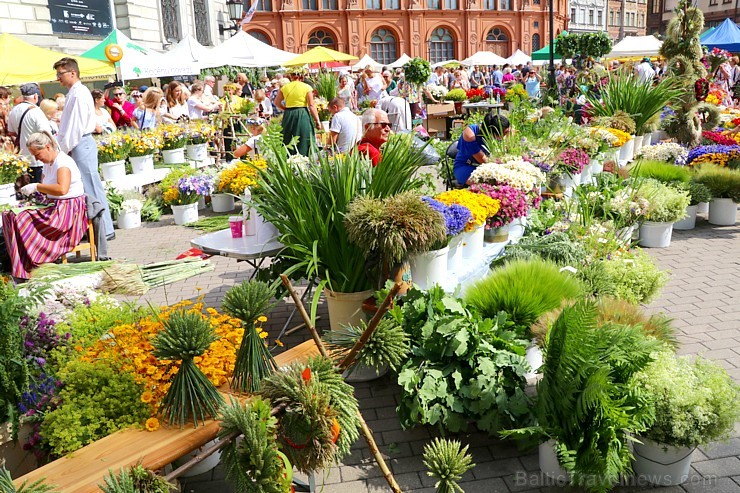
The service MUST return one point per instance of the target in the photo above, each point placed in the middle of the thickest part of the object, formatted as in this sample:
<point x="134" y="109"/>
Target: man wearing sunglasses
<point x="377" y="129"/>
<point x="121" y="110"/>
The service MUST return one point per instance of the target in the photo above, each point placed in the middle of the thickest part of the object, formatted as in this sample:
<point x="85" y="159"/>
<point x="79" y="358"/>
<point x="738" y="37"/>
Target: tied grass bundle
<point x="186" y="335"/>
<point x="388" y="344"/>
<point x="663" y="172"/>
<point x="210" y="224"/>
<point x="7" y="486"/>
<point x="254" y="464"/>
<point x="135" y="479"/>
<point x="320" y="420"/>
<point x="254" y="362"/>
<point x="447" y="462"/>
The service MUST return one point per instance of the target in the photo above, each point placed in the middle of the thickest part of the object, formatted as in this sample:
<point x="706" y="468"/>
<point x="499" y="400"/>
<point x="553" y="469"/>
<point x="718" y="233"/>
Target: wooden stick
<point x="366" y="431"/>
<point x="368" y="332"/>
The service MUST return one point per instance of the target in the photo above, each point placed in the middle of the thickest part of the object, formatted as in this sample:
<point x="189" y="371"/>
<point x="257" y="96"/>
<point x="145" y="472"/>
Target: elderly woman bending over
<point x="41" y="235"/>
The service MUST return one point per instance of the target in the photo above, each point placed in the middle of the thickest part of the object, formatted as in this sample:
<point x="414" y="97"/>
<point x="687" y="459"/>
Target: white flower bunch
<point x="602" y="134"/>
<point x="516" y="173"/>
<point x="628" y="206"/>
<point x="438" y="92"/>
<point x="669" y="152"/>
<point x="299" y="161"/>
<point x="587" y="143"/>
<point x="131" y="205"/>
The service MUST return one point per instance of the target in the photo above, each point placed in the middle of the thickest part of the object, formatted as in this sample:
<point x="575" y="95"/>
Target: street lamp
<point x="236" y="11"/>
<point x="551" y="79"/>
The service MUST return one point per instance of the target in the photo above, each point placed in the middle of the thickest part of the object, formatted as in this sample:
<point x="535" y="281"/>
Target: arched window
<point x="535" y="42"/>
<point x="441" y="45"/>
<point x="497" y="41"/>
<point x="261" y="36"/>
<point x="383" y="46"/>
<point x="321" y="38"/>
<point x="171" y="20"/>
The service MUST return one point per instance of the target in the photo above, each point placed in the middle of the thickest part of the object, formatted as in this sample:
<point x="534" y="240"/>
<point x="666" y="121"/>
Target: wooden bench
<point x="83" y="470"/>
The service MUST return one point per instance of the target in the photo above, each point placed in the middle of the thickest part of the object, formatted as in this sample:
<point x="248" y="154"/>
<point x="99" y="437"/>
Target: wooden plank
<point x="83" y="470"/>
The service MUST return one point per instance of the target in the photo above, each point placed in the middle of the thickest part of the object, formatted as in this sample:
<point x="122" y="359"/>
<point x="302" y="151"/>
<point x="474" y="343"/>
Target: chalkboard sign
<point x="81" y="17"/>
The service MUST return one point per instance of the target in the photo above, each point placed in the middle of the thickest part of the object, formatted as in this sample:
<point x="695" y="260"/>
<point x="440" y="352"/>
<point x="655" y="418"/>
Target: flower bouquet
<point x="439" y="93"/>
<point x="513" y="203"/>
<point x="717" y="57"/>
<point x="709" y="137"/>
<point x="200" y="132"/>
<point x="12" y="166"/>
<point x="456" y="216"/>
<point x="456" y="95"/>
<point x="189" y="189"/>
<point x="516" y="94"/>
<point x="498" y="92"/>
<point x="572" y="161"/>
<point x="717" y="154"/>
<point x="669" y="152"/>
<point x="481" y="207"/>
<point x="476" y="95"/>
<point x="145" y="144"/>
<point x="113" y="147"/>
<point x="236" y="177"/>
<point x="173" y="136"/>
<point x="622" y="137"/>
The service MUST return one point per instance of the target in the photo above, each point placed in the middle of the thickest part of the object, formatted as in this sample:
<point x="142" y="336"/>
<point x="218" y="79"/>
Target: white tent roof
<point x="189" y="49"/>
<point x="403" y="60"/>
<point x="484" y="58"/>
<point x="364" y="62"/>
<point x="445" y="62"/>
<point x="519" y="57"/>
<point x="243" y="50"/>
<point x="634" y="46"/>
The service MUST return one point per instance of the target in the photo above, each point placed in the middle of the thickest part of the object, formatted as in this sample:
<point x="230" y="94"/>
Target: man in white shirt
<point x="208" y="84"/>
<point x="75" y="134"/>
<point x="25" y="119"/>
<point x="399" y="112"/>
<point x="372" y="85"/>
<point x="345" y="127"/>
<point x="644" y="71"/>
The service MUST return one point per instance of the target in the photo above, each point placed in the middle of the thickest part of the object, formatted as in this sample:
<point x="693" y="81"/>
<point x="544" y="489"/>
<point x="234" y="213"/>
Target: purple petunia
<point x="699" y="151"/>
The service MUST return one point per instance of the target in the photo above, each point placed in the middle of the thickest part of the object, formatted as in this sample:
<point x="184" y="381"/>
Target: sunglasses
<point x="119" y="93"/>
<point x="383" y="124"/>
<point x="136" y="95"/>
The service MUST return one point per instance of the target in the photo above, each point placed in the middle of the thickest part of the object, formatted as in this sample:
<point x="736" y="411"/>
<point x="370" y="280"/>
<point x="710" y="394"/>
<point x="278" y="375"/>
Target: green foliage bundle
<point x="314" y="396"/>
<point x="463" y="368"/>
<point x="697" y="192"/>
<point x="667" y="204"/>
<point x="151" y="211"/>
<point x="308" y="206"/>
<point x="585" y="401"/>
<point x="135" y="479"/>
<point x="417" y="71"/>
<point x="661" y="171"/>
<point x="96" y="400"/>
<point x="640" y="100"/>
<point x="393" y="228"/>
<point x="618" y="119"/>
<point x="524" y="289"/>
<point x="253" y="464"/>
<point x="593" y="45"/>
<point x="635" y="276"/>
<point x="388" y="344"/>
<point x="254" y="362"/>
<point x="723" y="183"/>
<point x="184" y="336"/>
<point x="7" y="486"/>
<point x="457" y="95"/>
<point x="557" y="247"/>
<point x="621" y="312"/>
<point x="695" y="402"/>
<point x="115" y="199"/>
<point x="326" y="83"/>
<point x="447" y="462"/>
<point x="87" y="323"/>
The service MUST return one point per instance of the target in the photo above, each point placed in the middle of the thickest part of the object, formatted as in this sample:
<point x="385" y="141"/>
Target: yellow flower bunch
<point x="236" y="178"/>
<point x="712" y="99"/>
<point x="12" y="166"/>
<point x="481" y="206"/>
<point x="171" y="195"/>
<point x="200" y="132"/>
<point x="130" y="348"/>
<point x="145" y="143"/>
<point x="622" y="137"/>
<point x="113" y="147"/>
<point x="733" y="135"/>
<point x="174" y="136"/>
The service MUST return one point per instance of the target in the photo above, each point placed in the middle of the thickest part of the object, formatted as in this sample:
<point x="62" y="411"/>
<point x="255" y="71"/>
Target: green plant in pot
<point x="417" y="71"/>
<point x="694" y="402"/>
<point x="724" y="184"/>
<point x="7" y="485"/>
<point x="390" y="230"/>
<point x="661" y="171"/>
<point x="586" y="409"/>
<point x="698" y="194"/>
<point x="667" y="205"/>
<point x="456" y="95"/>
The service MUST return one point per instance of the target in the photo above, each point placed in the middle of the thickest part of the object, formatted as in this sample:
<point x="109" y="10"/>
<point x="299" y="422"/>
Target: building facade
<point x="627" y="18"/>
<point x="715" y="11"/>
<point x="587" y="16"/>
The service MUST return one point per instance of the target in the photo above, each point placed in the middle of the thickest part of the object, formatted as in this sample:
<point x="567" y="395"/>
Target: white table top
<point x="483" y="104"/>
<point x="244" y="248"/>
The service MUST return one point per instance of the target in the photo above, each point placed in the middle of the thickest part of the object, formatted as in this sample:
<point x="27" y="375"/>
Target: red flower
<point x="306" y="374"/>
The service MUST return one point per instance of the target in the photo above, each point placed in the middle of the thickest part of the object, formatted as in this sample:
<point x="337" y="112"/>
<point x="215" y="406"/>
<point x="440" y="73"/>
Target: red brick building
<point x="432" y="29"/>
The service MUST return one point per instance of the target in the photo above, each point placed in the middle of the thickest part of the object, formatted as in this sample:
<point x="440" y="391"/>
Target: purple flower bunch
<point x="513" y="202"/>
<point x="40" y="399"/>
<point x="456" y="216"/>
<point x="733" y="151"/>
<point x="573" y="160"/>
<point x="192" y="187"/>
<point x="41" y="338"/>
<point x="498" y="91"/>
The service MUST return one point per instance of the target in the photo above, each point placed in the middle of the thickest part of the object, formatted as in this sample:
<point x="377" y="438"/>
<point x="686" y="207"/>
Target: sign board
<point x="81" y="17"/>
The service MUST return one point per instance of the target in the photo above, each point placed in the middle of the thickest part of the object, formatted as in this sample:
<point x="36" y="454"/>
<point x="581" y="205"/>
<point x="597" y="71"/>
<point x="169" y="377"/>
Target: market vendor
<point x="471" y="150"/>
<point x="377" y="128"/>
<point x="37" y="236"/>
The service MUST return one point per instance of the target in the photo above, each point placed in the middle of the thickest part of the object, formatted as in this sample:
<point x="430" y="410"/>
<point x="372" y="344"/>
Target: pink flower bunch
<point x="513" y="201"/>
<point x="573" y="160"/>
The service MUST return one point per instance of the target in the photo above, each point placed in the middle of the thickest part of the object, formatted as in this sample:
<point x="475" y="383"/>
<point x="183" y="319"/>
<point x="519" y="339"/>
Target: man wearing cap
<point x="75" y="134"/>
<point x="644" y="71"/>
<point x="25" y="119"/>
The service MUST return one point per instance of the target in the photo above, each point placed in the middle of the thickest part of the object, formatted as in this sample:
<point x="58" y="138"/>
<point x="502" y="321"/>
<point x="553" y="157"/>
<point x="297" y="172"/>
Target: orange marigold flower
<point x="152" y="424"/>
<point x="147" y="397"/>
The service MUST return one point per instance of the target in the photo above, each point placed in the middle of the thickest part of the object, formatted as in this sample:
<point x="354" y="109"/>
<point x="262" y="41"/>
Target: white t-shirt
<point x="645" y="72"/>
<point x="253" y="144"/>
<point x="348" y="126"/>
<point x="195" y="113"/>
<point x="178" y="110"/>
<point x="34" y="121"/>
<point x="49" y="176"/>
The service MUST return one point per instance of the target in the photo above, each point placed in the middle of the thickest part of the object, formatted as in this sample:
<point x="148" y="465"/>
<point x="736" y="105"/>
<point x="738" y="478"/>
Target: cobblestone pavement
<point x="701" y="296"/>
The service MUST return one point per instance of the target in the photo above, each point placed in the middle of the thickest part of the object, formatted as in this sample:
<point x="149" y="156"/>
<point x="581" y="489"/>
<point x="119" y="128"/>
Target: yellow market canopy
<point x="21" y="62"/>
<point x="319" y="54"/>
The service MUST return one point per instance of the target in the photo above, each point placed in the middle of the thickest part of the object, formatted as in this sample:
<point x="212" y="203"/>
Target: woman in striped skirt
<point x="37" y="236"/>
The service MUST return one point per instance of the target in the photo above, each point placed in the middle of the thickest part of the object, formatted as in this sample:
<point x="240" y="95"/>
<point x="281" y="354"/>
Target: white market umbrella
<point x="189" y="49"/>
<point x="636" y="46"/>
<point x="243" y="50"/>
<point x="484" y="58"/>
<point x="445" y="62"/>
<point x="403" y="60"/>
<point x="364" y="62"/>
<point x="519" y="57"/>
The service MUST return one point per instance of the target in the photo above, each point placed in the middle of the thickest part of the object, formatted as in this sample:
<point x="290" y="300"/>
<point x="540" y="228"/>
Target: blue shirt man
<point x="471" y="150"/>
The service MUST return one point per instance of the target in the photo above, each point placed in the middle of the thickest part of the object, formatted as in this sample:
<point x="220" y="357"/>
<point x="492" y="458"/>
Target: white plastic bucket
<point x="197" y="152"/>
<point x="222" y="202"/>
<point x="655" y="235"/>
<point x="173" y="156"/>
<point x="689" y="221"/>
<point x="429" y="268"/>
<point x="142" y="164"/>
<point x="534" y="358"/>
<point x="185" y="214"/>
<point x="549" y="464"/>
<point x="472" y="243"/>
<point x="627" y="151"/>
<point x="129" y="220"/>
<point x="659" y="464"/>
<point x="7" y="194"/>
<point x="722" y="212"/>
<point x="113" y="170"/>
<point x="455" y="257"/>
